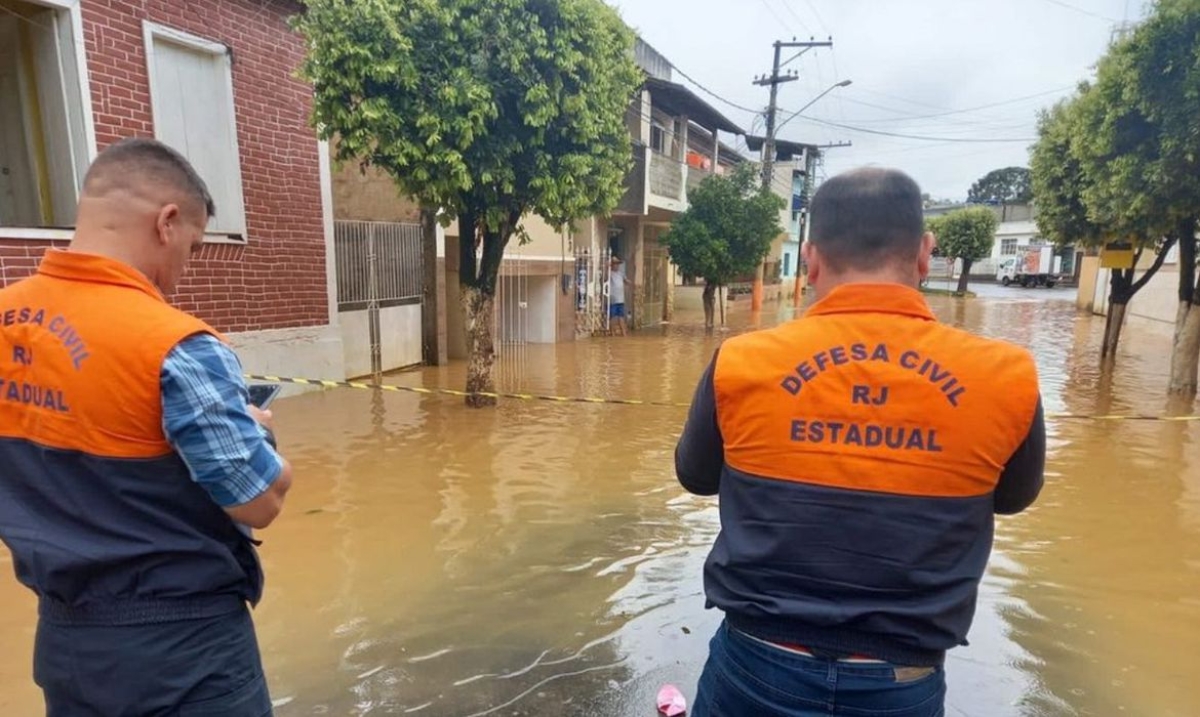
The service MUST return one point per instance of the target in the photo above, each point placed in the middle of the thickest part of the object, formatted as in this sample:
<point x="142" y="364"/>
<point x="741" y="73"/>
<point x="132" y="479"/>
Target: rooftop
<point x="679" y="100"/>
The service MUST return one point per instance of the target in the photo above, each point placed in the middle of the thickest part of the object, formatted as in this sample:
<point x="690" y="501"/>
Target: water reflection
<point x="539" y="559"/>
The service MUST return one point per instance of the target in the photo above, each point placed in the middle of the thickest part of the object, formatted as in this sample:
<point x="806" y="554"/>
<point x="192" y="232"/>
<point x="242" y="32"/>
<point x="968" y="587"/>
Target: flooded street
<point x="540" y="558"/>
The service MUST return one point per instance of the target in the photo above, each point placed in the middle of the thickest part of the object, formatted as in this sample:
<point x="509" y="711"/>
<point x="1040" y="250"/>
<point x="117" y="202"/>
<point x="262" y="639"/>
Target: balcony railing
<point x="666" y="176"/>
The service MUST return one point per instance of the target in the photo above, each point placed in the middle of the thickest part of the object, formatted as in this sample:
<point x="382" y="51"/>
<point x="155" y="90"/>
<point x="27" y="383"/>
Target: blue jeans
<point x="191" y="668"/>
<point x="744" y="678"/>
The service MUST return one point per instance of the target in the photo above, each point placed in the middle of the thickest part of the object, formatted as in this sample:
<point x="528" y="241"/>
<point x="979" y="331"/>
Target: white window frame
<point x="85" y="108"/>
<point x="151" y="31"/>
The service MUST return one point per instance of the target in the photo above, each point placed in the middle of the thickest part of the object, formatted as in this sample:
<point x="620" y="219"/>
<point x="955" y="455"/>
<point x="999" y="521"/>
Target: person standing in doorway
<point x="860" y="454"/>
<point x="134" y="466"/>
<point x="616" y="296"/>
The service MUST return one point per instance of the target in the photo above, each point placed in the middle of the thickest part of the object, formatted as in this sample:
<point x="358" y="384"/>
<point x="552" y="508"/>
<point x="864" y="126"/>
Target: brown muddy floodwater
<point x="540" y="559"/>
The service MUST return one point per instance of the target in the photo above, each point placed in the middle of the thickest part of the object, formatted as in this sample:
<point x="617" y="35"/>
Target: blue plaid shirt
<point x="205" y="418"/>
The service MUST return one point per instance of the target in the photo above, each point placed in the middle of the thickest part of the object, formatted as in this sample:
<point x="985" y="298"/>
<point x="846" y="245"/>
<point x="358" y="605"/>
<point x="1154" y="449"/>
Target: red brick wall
<point x="276" y="280"/>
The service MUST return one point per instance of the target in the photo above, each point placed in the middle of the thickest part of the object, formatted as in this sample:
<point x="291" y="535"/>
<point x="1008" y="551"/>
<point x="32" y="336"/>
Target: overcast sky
<point x="907" y="60"/>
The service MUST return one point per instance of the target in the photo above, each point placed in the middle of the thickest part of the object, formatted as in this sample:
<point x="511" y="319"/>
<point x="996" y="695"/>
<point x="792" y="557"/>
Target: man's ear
<point x="925" y="255"/>
<point x="812" y="260"/>
<point x="167" y="223"/>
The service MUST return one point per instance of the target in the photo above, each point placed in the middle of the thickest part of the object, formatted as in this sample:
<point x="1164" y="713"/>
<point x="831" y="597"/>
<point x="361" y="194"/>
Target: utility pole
<point x="774" y="81"/>
<point x="810" y="167"/>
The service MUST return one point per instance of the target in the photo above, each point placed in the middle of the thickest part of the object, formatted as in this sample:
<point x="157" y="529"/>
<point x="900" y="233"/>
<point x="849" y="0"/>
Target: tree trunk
<point x="480" y="312"/>
<point x="1122" y="289"/>
<point x="433" y="330"/>
<point x="1185" y="351"/>
<point x="710" y="308"/>
<point x="1120" y="292"/>
<point x="965" y="278"/>
<point x="477" y="284"/>
<point x="721" y="297"/>
<point x="1112" y="330"/>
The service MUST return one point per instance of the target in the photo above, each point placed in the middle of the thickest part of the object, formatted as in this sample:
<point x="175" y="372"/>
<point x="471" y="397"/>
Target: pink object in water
<point x="671" y="701"/>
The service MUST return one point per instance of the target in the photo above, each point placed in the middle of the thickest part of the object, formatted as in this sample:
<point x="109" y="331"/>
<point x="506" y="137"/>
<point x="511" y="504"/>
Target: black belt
<point x="138" y="611"/>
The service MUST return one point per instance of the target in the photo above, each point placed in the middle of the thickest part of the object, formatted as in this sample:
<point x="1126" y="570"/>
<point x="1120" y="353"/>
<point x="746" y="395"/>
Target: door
<point x="654" y="261"/>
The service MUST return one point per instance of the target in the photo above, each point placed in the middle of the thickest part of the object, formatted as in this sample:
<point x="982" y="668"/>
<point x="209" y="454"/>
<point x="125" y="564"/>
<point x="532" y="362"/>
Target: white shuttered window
<point x="191" y="93"/>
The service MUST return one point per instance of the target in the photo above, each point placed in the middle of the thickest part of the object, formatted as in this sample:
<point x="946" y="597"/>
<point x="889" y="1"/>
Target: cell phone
<point x="261" y="394"/>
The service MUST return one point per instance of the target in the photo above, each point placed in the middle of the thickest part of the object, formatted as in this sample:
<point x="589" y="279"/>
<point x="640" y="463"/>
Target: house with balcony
<point x="676" y="146"/>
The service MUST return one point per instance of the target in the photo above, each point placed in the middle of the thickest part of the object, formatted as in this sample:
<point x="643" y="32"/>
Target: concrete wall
<point x="1088" y="275"/>
<point x="399" y="333"/>
<point x="370" y="196"/>
<point x="311" y="352"/>
<point x="1153" y="308"/>
<point x="544" y="240"/>
<point x="1157" y="304"/>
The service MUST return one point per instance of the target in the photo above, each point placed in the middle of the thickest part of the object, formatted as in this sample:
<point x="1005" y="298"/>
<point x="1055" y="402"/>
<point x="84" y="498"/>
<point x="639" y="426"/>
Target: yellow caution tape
<point x="324" y="383"/>
<point x="462" y="394"/>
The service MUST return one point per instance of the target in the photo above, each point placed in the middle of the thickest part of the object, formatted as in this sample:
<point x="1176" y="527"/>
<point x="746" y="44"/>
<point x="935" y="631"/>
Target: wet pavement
<point x="540" y="559"/>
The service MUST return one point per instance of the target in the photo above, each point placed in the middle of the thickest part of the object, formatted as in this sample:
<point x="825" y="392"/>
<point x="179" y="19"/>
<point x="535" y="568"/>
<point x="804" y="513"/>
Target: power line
<point x="769" y="7"/>
<point x="1069" y="6"/>
<point x="709" y="92"/>
<point x="792" y="10"/>
<point x="972" y="140"/>
<point x="820" y="20"/>
<point x="967" y="110"/>
<point x="981" y="122"/>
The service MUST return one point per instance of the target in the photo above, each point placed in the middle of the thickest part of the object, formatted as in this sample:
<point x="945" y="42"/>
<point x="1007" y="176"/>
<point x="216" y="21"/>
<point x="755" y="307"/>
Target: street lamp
<point x="831" y="88"/>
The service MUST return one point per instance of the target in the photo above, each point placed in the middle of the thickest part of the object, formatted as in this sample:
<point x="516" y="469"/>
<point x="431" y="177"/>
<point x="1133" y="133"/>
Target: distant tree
<point x="726" y="231"/>
<point x="1002" y="186"/>
<point x="488" y="111"/>
<point x="966" y="235"/>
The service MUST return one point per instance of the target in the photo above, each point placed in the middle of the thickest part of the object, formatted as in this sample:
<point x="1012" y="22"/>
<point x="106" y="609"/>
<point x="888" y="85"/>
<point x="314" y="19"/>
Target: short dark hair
<point x="148" y="159"/>
<point x="867" y="217"/>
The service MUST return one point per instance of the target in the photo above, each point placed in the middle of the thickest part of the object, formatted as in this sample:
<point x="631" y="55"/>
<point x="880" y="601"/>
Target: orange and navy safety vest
<point x="102" y="517"/>
<point x="862" y="447"/>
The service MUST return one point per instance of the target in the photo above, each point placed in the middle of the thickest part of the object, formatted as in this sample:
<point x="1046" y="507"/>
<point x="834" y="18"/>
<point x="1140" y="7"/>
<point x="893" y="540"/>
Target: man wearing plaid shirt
<point x="134" y="466"/>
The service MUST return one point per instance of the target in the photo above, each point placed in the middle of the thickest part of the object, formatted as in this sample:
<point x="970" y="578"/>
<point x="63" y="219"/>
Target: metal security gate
<point x="511" y="328"/>
<point x="591" y="292"/>
<point x="378" y="266"/>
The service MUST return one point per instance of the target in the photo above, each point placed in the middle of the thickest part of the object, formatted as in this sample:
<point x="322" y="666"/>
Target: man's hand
<point x="262" y="511"/>
<point x="266" y="418"/>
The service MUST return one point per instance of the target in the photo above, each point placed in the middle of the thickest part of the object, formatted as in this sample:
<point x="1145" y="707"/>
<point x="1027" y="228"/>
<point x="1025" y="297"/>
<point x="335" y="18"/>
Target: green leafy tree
<point x="1058" y="181"/>
<point x="489" y="111"/>
<point x="1010" y="185"/>
<point x="1066" y="187"/>
<point x="1104" y="154"/>
<point x="1060" y="184"/>
<point x="726" y="231"/>
<point x="966" y="235"/>
<point x="1145" y="154"/>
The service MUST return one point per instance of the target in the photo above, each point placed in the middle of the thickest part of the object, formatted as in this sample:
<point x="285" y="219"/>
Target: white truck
<point x="1031" y="266"/>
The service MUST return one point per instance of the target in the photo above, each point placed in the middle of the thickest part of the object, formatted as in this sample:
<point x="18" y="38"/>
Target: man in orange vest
<point x="134" y="467"/>
<point x="860" y="454"/>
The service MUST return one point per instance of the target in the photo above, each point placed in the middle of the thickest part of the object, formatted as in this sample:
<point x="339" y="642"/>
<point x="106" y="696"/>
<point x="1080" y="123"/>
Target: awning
<point x="680" y="101"/>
